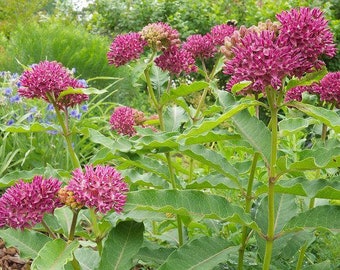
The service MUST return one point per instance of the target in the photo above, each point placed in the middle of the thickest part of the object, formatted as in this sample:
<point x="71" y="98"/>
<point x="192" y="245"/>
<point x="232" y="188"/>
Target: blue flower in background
<point x="75" y="114"/>
<point x="8" y="91"/>
<point x="10" y="122"/>
<point x="84" y="108"/>
<point x="50" y="107"/>
<point x="15" y="99"/>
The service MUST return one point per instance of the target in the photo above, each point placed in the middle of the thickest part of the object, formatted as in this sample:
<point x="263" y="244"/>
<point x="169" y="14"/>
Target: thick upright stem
<point x="247" y="209"/>
<point x="272" y="100"/>
<point x="73" y="225"/>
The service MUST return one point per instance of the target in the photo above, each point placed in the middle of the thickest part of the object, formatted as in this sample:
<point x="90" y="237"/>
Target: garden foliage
<point x="242" y="175"/>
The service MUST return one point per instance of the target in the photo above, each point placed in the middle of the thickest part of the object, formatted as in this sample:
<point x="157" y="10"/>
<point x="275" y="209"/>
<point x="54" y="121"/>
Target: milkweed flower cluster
<point x="218" y="33"/>
<point x="295" y="93"/>
<point x="101" y="188"/>
<point x="329" y="88"/>
<point x="125" y="48"/>
<point x="48" y="80"/>
<point x="24" y="204"/>
<point x="265" y="55"/>
<point x="200" y="46"/>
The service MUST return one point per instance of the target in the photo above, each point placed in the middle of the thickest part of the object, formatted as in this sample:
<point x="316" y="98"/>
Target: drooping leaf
<point x="158" y="140"/>
<point x="212" y="181"/>
<point x="182" y="90"/>
<point x="27" y="241"/>
<point x="122" y="244"/>
<point x="292" y="125"/>
<point x="64" y="216"/>
<point x="325" y="216"/>
<point x="153" y="254"/>
<point x="190" y="203"/>
<point x="135" y="176"/>
<point x="328" y="117"/>
<point x="10" y="178"/>
<point x="200" y="254"/>
<point x="87" y="257"/>
<point x="54" y="255"/>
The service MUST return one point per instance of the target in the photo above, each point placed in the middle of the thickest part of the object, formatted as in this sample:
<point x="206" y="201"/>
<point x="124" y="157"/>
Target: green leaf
<point x="10" y="178"/>
<point x="319" y="266"/>
<point x="190" y="203"/>
<point x="308" y="79"/>
<point x="237" y="87"/>
<point x="210" y="136"/>
<point x="321" y="188"/>
<point x="139" y="178"/>
<point x="159" y="140"/>
<point x="70" y="91"/>
<point x="87" y="257"/>
<point x="64" y="216"/>
<point x="293" y="125"/>
<point x="174" y="117"/>
<point x="122" y="144"/>
<point x="153" y="254"/>
<point x="200" y="254"/>
<point x="255" y="132"/>
<point x="54" y="255"/>
<point x="182" y="90"/>
<point x="328" y="117"/>
<point x="122" y="244"/>
<point x="325" y="216"/>
<point x="211" y="158"/>
<point x="35" y="127"/>
<point x="212" y="181"/>
<point x="28" y="242"/>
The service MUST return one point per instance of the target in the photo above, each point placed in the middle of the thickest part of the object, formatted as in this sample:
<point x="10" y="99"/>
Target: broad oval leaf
<point x="237" y="87"/>
<point x="122" y="244"/>
<point x="54" y="255"/>
<point x="27" y="241"/>
<point x="200" y="254"/>
<point x="87" y="257"/>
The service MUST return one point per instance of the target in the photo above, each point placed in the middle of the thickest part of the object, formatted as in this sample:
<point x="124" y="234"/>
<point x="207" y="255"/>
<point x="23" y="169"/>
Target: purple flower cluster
<point x="219" y="32"/>
<point x="307" y="33"/>
<point x="329" y="88"/>
<point x="123" y="121"/>
<point x="125" y="48"/>
<point x="176" y="61"/>
<point x="200" y="46"/>
<point x="265" y="55"/>
<point x="50" y="79"/>
<point x="295" y="93"/>
<point x="24" y="204"/>
<point x="160" y="36"/>
<point x="100" y="187"/>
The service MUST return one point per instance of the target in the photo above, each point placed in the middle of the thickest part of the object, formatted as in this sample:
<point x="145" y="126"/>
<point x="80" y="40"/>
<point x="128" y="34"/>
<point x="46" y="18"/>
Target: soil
<point x="10" y="258"/>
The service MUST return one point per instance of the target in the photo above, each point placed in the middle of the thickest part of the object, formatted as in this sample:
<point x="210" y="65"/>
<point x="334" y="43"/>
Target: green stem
<point x="301" y="257"/>
<point x="273" y="106"/>
<point x="73" y="225"/>
<point x="248" y="203"/>
<point x="66" y="133"/>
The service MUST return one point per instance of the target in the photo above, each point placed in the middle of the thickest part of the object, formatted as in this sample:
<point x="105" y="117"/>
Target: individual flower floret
<point x="219" y="32"/>
<point x="47" y="80"/>
<point x="125" y="48"/>
<point x="160" y="36"/>
<point x="307" y="33"/>
<point x="24" y="204"/>
<point x="329" y="88"/>
<point x="176" y="60"/>
<point x="200" y="46"/>
<point x="260" y="60"/>
<point x="99" y="187"/>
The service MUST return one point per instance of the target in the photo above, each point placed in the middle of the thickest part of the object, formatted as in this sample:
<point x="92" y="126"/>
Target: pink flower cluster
<point x="24" y="204"/>
<point x="295" y="93"/>
<point x="50" y="79"/>
<point x="200" y="46"/>
<point x="266" y="55"/>
<point x="218" y="33"/>
<point x="329" y="88"/>
<point x="125" y="48"/>
<point x="100" y="187"/>
<point x="176" y="60"/>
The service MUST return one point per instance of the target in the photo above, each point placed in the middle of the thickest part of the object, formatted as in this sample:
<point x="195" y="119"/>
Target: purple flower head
<point x="295" y="93"/>
<point x="125" y="48"/>
<point x="200" y="46"/>
<point x="176" y="61"/>
<point x="14" y="99"/>
<point x="307" y="33"/>
<point x="160" y="36"/>
<point x="8" y="91"/>
<point x="123" y="121"/>
<point x="260" y="60"/>
<point x="219" y="32"/>
<point x="100" y="187"/>
<point x="50" y="79"/>
<point x="24" y="204"/>
<point x="329" y="88"/>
